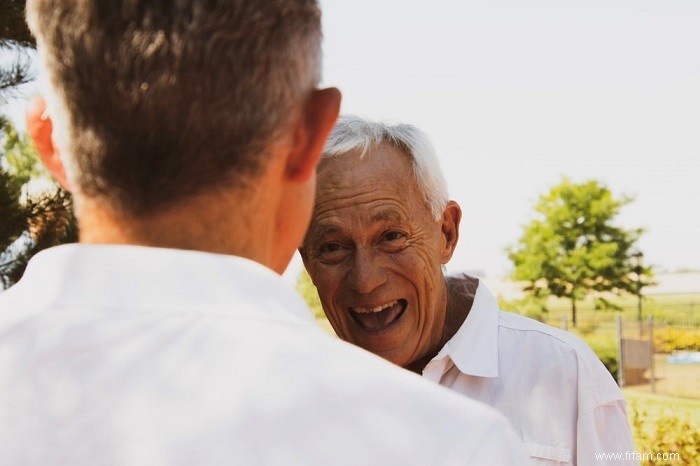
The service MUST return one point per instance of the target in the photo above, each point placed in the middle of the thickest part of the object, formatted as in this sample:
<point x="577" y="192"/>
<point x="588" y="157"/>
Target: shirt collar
<point x="147" y="278"/>
<point x="474" y="348"/>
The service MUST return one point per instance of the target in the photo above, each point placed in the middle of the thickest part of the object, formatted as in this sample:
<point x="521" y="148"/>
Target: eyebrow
<point x="386" y="215"/>
<point x="319" y="231"/>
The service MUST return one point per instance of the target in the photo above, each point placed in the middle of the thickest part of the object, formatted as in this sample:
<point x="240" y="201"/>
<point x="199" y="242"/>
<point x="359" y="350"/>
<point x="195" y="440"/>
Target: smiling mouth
<point x="380" y="318"/>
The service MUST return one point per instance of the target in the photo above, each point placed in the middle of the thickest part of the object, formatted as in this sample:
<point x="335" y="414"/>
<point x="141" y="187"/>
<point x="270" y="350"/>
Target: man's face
<point x="374" y="251"/>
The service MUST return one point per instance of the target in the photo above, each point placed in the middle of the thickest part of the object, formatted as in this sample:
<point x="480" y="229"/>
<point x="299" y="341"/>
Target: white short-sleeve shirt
<point x="143" y="356"/>
<point x="564" y="404"/>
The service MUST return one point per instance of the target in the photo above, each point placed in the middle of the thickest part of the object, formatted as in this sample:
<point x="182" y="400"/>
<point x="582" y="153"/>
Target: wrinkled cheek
<point x="336" y="318"/>
<point x="426" y="322"/>
<point x="337" y="323"/>
<point x="324" y="288"/>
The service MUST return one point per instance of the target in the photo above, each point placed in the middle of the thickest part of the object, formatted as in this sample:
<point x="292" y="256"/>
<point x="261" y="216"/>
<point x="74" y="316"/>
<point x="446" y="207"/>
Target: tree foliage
<point x="13" y="26"/>
<point x="15" y="43"/>
<point x="10" y="193"/>
<point x="14" y="71"/>
<point x="572" y="247"/>
<point x="676" y="440"/>
<point x="29" y="222"/>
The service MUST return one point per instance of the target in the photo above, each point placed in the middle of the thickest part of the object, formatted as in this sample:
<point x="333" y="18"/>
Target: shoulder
<point x="259" y="380"/>
<point x="517" y="330"/>
<point x="573" y="357"/>
<point x="518" y="326"/>
<point x="467" y="430"/>
<point x="348" y="389"/>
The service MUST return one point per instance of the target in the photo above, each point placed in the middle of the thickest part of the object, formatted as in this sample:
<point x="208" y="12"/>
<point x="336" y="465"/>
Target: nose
<point x="367" y="273"/>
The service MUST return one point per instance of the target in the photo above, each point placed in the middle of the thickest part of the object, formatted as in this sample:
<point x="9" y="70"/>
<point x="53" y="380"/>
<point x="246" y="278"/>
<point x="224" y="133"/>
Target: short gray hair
<point x="352" y="133"/>
<point x="155" y="102"/>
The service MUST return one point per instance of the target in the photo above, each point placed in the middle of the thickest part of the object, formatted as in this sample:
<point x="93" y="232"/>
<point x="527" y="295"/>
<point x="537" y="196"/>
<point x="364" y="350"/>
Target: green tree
<point x="572" y="247"/>
<point x="15" y="44"/>
<point x="11" y="212"/>
<point x="28" y="223"/>
<point x="42" y="220"/>
<point x="12" y="23"/>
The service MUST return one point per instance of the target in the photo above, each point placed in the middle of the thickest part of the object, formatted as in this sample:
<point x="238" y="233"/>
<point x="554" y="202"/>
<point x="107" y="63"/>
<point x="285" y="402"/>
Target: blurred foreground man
<point x="381" y="231"/>
<point x="189" y="133"/>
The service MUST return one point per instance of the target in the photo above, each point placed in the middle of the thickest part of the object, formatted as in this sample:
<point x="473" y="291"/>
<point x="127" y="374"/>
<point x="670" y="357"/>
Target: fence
<point x="659" y="354"/>
<point x="635" y="352"/>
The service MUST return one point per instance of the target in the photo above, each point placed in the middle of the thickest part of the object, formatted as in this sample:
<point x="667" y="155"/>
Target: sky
<point x="516" y="94"/>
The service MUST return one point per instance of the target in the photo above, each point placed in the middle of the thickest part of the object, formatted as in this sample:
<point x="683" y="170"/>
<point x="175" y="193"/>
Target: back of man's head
<point x="155" y="101"/>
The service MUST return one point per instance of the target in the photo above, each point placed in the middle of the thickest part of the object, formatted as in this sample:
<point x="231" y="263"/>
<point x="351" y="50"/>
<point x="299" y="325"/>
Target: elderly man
<point x="189" y="133"/>
<point x="382" y="228"/>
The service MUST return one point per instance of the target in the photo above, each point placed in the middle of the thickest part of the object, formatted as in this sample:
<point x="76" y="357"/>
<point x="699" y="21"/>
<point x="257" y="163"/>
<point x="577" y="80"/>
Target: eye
<point x="394" y="240"/>
<point x="328" y="248"/>
<point x="330" y="253"/>
<point x="393" y="235"/>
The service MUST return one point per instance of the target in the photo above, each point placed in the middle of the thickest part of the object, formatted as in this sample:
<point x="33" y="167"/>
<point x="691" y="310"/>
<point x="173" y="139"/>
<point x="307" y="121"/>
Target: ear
<point x="316" y="122"/>
<point x="451" y="217"/>
<point x="40" y="128"/>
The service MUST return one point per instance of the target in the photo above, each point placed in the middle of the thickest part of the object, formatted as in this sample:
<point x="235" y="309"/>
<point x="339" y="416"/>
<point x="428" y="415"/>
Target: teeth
<point x="363" y="310"/>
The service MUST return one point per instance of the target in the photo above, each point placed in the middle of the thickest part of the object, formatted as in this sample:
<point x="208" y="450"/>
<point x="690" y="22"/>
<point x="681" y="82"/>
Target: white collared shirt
<point x="561" y="400"/>
<point x="146" y="356"/>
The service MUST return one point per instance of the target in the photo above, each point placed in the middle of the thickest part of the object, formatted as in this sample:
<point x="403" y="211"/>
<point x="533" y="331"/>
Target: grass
<point x="657" y="406"/>
<point x="672" y="308"/>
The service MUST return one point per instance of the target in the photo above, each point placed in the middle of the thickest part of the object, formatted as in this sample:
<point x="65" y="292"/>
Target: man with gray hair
<point x="382" y="229"/>
<point x="189" y="133"/>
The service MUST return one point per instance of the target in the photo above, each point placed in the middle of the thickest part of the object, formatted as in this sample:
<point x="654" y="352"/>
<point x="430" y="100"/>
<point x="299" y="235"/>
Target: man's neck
<point x="223" y="223"/>
<point x="460" y="297"/>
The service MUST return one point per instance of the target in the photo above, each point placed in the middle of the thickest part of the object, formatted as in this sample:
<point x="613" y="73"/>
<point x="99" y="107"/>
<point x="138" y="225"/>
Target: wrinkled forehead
<point x="349" y="169"/>
<point x="376" y="187"/>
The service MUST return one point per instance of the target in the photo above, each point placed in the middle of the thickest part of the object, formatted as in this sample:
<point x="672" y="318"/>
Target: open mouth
<point x="379" y="318"/>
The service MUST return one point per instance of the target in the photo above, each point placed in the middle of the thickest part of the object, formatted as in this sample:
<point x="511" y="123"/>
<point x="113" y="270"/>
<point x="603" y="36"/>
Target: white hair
<point x="352" y="133"/>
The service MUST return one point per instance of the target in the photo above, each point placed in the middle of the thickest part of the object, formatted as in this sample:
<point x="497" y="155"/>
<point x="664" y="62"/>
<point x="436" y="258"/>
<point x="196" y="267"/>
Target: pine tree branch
<point x="13" y="26"/>
<point x="14" y="72"/>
